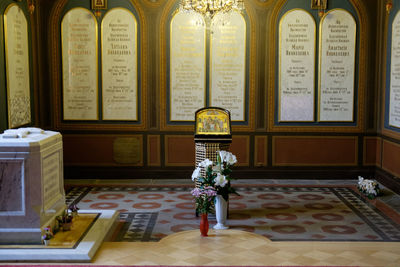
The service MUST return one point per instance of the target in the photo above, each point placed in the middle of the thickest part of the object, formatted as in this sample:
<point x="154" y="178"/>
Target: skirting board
<point x="83" y="252"/>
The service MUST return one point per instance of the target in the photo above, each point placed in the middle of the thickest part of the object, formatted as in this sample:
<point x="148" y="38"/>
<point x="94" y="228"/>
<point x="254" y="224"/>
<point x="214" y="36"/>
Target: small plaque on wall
<point x="17" y="66"/>
<point x="337" y="66"/>
<point x="79" y="65"/>
<point x="128" y="150"/>
<point x="119" y="65"/>
<point x="394" y="104"/>
<point x="296" y="66"/>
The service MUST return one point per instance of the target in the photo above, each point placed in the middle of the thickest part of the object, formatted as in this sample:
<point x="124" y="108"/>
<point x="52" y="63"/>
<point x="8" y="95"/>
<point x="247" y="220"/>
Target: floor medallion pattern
<point x="281" y="213"/>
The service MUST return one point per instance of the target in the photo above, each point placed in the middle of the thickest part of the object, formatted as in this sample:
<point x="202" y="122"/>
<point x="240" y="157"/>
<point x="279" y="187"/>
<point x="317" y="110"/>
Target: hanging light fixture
<point x="320" y="5"/>
<point x="209" y="8"/>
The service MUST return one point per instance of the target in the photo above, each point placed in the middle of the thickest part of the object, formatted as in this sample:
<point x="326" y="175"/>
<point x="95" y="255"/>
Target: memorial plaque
<point x="228" y="63"/>
<point x="187" y="65"/>
<point x="119" y="65"/>
<point x="17" y="66"/>
<point x="127" y="150"/>
<point x="79" y="65"/>
<point x="337" y="66"/>
<point x="394" y="103"/>
<point x="296" y="66"/>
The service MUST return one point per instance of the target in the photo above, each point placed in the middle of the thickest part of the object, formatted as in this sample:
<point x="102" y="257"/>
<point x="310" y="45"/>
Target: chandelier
<point x="209" y="8"/>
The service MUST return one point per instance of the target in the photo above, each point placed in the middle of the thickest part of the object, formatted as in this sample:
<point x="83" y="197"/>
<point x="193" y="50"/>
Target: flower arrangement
<point x="48" y="234"/>
<point x="204" y="199"/>
<point x="65" y="220"/>
<point x="217" y="179"/>
<point x="368" y="187"/>
<point x="74" y="209"/>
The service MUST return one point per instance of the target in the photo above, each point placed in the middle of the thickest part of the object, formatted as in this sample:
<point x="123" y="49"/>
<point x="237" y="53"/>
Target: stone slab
<point x="84" y="251"/>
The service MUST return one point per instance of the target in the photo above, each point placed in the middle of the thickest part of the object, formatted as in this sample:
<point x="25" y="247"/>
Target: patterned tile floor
<point x="278" y="212"/>
<point x="241" y="248"/>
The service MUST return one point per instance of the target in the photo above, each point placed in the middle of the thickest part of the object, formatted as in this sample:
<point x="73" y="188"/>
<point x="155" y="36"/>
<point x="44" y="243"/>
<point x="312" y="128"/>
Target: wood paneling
<point x="89" y="150"/>
<point x="260" y="151"/>
<point x="314" y="151"/>
<point x="153" y="150"/>
<point x="240" y="148"/>
<point x="372" y="151"/>
<point x="179" y="150"/>
<point x="391" y="157"/>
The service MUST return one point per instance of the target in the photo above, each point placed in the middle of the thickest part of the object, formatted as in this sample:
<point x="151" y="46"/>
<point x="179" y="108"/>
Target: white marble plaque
<point x="337" y="66"/>
<point x="51" y="169"/>
<point x="17" y="66"/>
<point x="394" y="103"/>
<point x="119" y="65"/>
<point x="296" y="66"/>
<point x="187" y="65"/>
<point x="228" y="63"/>
<point x="79" y="65"/>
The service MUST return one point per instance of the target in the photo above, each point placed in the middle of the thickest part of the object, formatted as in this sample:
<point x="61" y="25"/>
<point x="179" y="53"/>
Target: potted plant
<point x="65" y="220"/>
<point x="47" y="235"/>
<point x="74" y="209"/>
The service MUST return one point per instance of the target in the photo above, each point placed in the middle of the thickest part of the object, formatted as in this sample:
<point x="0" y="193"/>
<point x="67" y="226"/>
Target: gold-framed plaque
<point x="394" y="93"/>
<point x="297" y="34"/>
<point x="119" y="65"/>
<point x="337" y="66"/>
<point x="17" y="66"/>
<point x="187" y="65"/>
<point x="79" y="65"/>
<point x="228" y="63"/>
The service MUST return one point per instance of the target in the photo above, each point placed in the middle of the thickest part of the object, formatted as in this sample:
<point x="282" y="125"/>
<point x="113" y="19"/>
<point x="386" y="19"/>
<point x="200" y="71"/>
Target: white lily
<point x="196" y="173"/>
<point x="220" y="180"/>
<point x="205" y="163"/>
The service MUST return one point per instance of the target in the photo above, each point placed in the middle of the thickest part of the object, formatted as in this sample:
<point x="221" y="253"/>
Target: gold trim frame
<point x="170" y="67"/>
<point x="280" y="65"/>
<point x="99" y="4"/>
<point x="56" y="86"/>
<point x="386" y="87"/>
<point x="135" y="61"/>
<point x="320" y="65"/>
<point x="244" y="73"/>
<point x="8" y="56"/>
<point x="71" y="74"/>
<point x="163" y="69"/>
<point x="364" y="22"/>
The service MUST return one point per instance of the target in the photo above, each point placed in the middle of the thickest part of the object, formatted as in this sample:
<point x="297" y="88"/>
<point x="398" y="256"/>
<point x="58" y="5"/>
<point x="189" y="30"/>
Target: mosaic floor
<point x="278" y="212"/>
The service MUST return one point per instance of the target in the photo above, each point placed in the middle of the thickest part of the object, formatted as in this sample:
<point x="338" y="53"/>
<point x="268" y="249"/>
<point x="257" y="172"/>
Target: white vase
<point x="221" y="210"/>
<point x="46" y="242"/>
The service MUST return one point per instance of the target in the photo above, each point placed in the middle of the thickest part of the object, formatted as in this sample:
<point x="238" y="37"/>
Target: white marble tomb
<point x="31" y="183"/>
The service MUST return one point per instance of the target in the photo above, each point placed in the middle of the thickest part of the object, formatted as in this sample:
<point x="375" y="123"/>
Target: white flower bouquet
<point x="217" y="173"/>
<point x="369" y="188"/>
